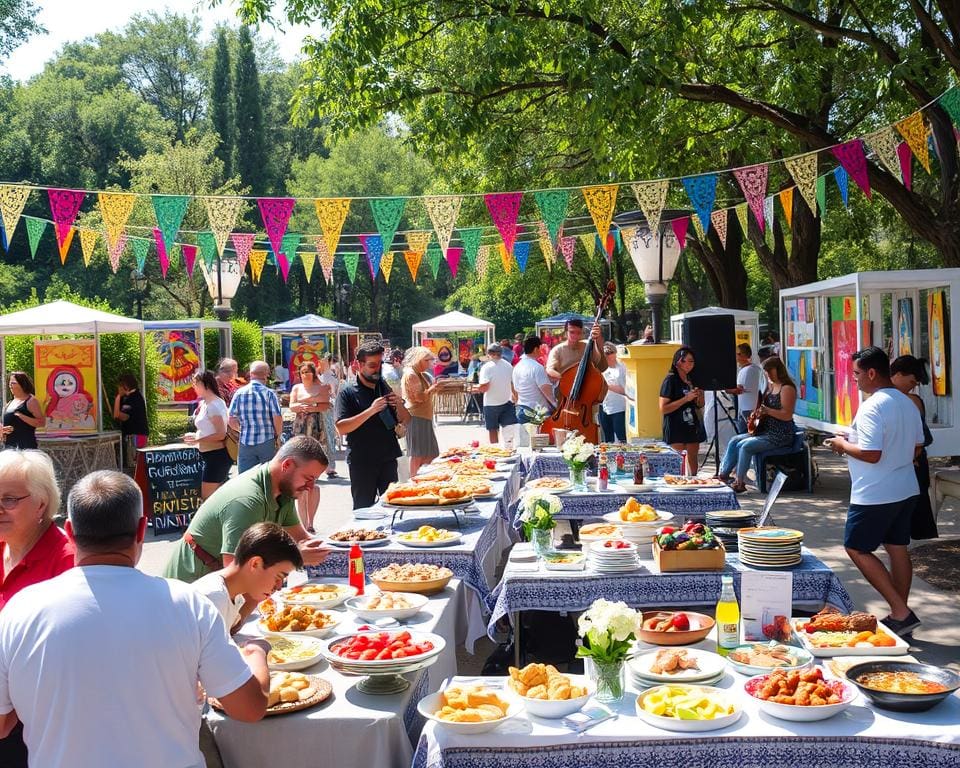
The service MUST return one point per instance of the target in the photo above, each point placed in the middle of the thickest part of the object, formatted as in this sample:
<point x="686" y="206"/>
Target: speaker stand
<point x="715" y="442"/>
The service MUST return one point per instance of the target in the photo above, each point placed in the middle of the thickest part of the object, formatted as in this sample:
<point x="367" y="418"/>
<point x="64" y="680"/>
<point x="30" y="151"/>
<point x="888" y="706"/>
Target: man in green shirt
<point x="264" y="493"/>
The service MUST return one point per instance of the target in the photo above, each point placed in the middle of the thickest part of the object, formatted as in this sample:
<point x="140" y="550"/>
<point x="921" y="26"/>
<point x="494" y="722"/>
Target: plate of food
<point x="316" y="595"/>
<point x="290" y="653"/>
<point x="564" y="561"/>
<point x="547" y="693"/>
<point x="469" y="709"/>
<point x="596" y="532"/>
<point x="425" y="495"/>
<point x="831" y="633"/>
<point x="291" y="692"/>
<point x="800" y="695"/>
<point x="370" y="651"/>
<point x="685" y="665"/>
<point x="551" y="484"/>
<point x="691" y="483"/>
<point x="687" y="708"/>
<point x="387" y="605"/>
<point x="903" y="686"/>
<point x="302" y="620"/>
<point x="759" y="658"/>
<point x="674" y="627"/>
<point x="426" y="536"/>
<point x="425" y="578"/>
<point x="363" y="537"/>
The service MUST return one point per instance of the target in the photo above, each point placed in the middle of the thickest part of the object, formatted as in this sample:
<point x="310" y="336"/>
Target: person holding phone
<point x="679" y="400"/>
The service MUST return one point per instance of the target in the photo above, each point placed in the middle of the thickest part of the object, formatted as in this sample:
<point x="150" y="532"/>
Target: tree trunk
<point x="723" y="265"/>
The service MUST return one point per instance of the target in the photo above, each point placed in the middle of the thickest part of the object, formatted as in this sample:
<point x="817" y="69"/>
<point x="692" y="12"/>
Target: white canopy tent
<point x="454" y="322"/>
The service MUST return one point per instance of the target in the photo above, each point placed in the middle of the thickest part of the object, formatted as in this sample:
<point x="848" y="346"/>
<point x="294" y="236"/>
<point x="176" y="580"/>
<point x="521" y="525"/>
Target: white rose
<point x="584" y="455"/>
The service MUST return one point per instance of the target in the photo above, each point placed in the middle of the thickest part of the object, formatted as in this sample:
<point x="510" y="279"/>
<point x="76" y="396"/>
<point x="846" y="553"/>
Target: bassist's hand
<point x="596" y="334"/>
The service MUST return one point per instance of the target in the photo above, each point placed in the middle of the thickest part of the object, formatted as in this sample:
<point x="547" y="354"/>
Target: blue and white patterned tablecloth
<point x="539" y="464"/>
<point x="814" y="585"/>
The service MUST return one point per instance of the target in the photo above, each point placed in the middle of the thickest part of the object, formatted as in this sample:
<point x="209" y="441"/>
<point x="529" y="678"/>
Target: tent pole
<point x="96" y="339"/>
<point x="143" y="362"/>
<point x="3" y="372"/>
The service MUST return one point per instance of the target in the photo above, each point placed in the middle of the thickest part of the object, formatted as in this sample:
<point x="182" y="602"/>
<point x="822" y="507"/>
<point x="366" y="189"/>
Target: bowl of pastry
<point x="387" y="605"/>
<point x="547" y="693"/>
<point x="300" y="620"/>
<point x="424" y="578"/>
<point x="469" y="709"/>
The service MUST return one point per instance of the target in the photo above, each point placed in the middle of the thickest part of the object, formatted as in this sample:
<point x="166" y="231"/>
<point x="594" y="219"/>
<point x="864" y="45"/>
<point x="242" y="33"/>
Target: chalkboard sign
<point x="170" y="477"/>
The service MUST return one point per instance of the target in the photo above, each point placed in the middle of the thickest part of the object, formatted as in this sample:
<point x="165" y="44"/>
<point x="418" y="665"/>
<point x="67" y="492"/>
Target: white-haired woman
<point x="418" y="392"/>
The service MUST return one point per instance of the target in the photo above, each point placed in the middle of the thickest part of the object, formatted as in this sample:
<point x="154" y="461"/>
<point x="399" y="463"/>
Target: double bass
<point x="581" y="389"/>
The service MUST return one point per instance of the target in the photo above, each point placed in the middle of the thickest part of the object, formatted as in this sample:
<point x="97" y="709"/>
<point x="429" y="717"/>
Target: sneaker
<point x="904" y="626"/>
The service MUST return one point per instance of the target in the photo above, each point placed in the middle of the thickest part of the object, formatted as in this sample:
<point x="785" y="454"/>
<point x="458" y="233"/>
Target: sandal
<point x="739" y="487"/>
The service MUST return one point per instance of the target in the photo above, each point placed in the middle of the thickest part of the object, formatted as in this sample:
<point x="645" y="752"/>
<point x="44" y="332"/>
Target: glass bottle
<point x="356" y="577"/>
<point x="728" y="617"/>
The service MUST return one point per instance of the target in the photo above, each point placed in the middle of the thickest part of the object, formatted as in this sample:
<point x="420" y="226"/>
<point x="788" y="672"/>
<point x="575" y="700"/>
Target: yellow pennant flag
<point x="601" y="202"/>
<point x="483" y="261"/>
<point x="443" y="212"/>
<point x="652" y="197"/>
<point x="742" y="217"/>
<point x="222" y="215"/>
<point x="506" y="258"/>
<point x="914" y="131"/>
<point x="309" y="258"/>
<point x="257" y="260"/>
<point x="418" y="241"/>
<point x="325" y="258"/>
<point x="386" y="265"/>
<point x="88" y="239"/>
<point x="413" y="259"/>
<point x="546" y="245"/>
<point x="115" y="207"/>
<point x="803" y="169"/>
<point x="65" y="245"/>
<point x="884" y="143"/>
<point x="12" y="200"/>
<point x="786" y="200"/>
<point x="698" y="225"/>
<point x="332" y="212"/>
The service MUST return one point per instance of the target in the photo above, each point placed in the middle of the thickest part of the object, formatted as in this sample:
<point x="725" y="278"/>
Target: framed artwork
<point x="66" y="381"/>
<point x="179" y="361"/>
<point x="905" y="344"/>
<point x="939" y="348"/>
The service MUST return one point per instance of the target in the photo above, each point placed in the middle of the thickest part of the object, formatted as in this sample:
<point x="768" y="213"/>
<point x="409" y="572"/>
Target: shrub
<point x="247" y="344"/>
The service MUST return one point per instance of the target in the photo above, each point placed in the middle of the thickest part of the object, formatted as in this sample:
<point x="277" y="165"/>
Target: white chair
<point x="946" y="482"/>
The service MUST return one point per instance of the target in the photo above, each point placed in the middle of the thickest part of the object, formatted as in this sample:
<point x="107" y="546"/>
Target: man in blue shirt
<point x="255" y="411"/>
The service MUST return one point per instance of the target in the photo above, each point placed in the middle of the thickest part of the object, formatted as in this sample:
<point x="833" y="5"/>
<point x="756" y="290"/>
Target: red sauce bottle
<point x="356" y="576"/>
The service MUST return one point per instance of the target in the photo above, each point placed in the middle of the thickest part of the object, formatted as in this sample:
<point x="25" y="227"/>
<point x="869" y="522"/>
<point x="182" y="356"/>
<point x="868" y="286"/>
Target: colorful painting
<point x="801" y="363"/>
<point x="844" y="330"/>
<point x="179" y="361"/>
<point x="745" y="336"/>
<point x="466" y="347"/>
<point x="905" y="326"/>
<point x="442" y="350"/>
<point x="303" y="348"/>
<point x="939" y="360"/>
<point x="790" y="319"/>
<point x="66" y="380"/>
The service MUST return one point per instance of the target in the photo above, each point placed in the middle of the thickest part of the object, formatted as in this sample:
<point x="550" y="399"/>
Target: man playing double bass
<point x="567" y="354"/>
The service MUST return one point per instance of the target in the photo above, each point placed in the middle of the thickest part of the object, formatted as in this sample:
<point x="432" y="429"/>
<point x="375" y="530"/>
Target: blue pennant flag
<point x="702" y="191"/>
<point x="521" y="252"/>
<point x="843" y="182"/>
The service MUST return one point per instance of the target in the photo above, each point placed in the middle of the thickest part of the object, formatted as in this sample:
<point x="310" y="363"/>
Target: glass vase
<point x="609" y="679"/>
<point x="542" y="540"/>
<point x="578" y="477"/>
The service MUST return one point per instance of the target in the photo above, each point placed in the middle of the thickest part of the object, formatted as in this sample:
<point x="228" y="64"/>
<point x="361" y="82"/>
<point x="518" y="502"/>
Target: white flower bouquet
<point x="537" y="510"/>
<point x="607" y="630"/>
<point x="577" y="452"/>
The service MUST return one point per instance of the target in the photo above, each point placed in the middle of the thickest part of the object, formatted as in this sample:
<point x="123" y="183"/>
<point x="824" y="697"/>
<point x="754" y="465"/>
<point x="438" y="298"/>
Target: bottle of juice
<point x="356" y="577"/>
<point x="728" y="617"/>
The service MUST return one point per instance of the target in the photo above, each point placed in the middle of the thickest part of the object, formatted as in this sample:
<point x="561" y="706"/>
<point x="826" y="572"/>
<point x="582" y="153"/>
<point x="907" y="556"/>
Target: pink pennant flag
<point x="906" y="163"/>
<point x="567" y="247"/>
<point x="753" y="182"/>
<point x="680" y="227"/>
<point x="504" y="208"/>
<point x="854" y="162"/>
<point x="242" y="244"/>
<point x="453" y="259"/>
<point x="275" y="212"/>
<point x="64" y="206"/>
<point x="114" y="251"/>
<point x="284" y="264"/>
<point x="189" y="257"/>
<point x="161" y="252"/>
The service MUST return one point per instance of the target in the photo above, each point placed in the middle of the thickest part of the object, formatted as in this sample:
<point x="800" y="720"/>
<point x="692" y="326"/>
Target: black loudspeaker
<point x="714" y="343"/>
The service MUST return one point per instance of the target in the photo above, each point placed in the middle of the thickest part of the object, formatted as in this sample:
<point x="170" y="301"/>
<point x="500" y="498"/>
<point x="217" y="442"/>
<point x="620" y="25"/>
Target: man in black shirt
<point x="130" y="410"/>
<point x="367" y="413"/>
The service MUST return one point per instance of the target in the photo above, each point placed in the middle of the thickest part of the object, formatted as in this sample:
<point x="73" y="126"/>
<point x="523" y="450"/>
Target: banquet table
<point x="666" y="461"/>
<point x="351" y="729"/>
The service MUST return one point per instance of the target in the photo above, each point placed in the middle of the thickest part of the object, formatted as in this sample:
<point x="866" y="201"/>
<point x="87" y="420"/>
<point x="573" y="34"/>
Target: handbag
<point x="232" y="443"/>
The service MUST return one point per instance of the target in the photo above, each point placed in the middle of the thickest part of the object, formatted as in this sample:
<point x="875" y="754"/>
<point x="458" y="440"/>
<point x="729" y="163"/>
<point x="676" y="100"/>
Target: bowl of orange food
<point x="802" y="696"/>
<point x="903" y="686"/>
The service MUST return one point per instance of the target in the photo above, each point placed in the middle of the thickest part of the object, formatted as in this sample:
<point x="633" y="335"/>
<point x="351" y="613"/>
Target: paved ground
<point x="820" y="516"/>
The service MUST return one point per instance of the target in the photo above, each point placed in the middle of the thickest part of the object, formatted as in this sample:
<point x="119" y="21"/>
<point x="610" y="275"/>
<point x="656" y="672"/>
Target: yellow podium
<point x="646" y="364"/>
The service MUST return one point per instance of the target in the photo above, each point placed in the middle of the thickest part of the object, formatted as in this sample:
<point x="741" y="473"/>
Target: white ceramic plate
<point x="708" y="665"/>
<point x="338" y="616"/>
<point x="898" y="649"/>
<point x="308" y="643"/>
<point x="430" y="704"/>
<point x="797" y="713"/>
<point x="363" y="544"/>
<point x="289" y="596"/>
<point x="417" y="601"/>
<point x="418" y="544"/>
<point x="372" y="666"/>
<point x="688" y="726"/>
<point x="803" y="658"/>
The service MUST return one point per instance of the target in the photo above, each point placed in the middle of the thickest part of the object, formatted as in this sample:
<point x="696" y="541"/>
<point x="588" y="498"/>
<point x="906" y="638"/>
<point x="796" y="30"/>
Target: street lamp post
<point x="222" y="285"/>
<point x="138" y="282"/>
<point x="344" y="295"/>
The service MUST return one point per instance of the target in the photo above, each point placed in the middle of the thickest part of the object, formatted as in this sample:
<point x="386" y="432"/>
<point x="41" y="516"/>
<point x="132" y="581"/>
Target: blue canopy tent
<point x="314" y="324"/>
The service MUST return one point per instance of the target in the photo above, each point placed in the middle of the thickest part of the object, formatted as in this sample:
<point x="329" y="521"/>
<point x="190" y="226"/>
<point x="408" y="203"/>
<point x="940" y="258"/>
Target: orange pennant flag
<point x="413" y="262"/>
<point x="506" y="258"/>
<point x="65" y="245"/>
<point x="786" y="200"/>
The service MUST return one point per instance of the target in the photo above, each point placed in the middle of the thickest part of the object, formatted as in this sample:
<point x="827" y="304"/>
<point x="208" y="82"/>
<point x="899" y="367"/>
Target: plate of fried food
<point x="363" y="537"/>
<point x="302" y="620"/>
<point x="291" y="692"/>
<point x="689" y="665"/>
<point x="425" y="578"/>
<point x="548" y="693"/>
<point x="802" y="695"/>
<point x="760" y="658"/>
<point x="428" y="537"/>
<point x="498" y="453"/>
<point x="831" y="633"/>
<point x="386" y="605"/>
<point x="551" y="484"/>
<point x="316" y="595"/>
<point x="469" y="709"/>
<point x="691" y="482"/>
<point x="420" y="494"/>
<point x="290" y="653"/>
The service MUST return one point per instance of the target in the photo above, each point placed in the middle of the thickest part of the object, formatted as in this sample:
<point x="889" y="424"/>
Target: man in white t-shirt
<point x="749" y="379"/>
<point x="101" y="663"/>
<point x="496" y="384"/>
<point x="531" y="383"/>
<point x="885" y="436"/>
<point x="613" y="409"/>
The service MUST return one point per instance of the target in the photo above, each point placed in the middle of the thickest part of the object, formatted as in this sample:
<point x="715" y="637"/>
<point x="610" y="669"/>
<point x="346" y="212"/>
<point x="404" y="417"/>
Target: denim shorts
<point x="870" y="525"/>
<point x="496" y="416"/>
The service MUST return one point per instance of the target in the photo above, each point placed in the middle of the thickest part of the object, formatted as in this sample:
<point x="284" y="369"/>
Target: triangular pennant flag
<point x="589" y="243"/>
<point x="373" y="250"/>
<point x="854" y="162"/>
<point x="189" y="257"/>
<point x="418" y="241"/>
<point x="567" y="247"/>
<point x="504" y="208"/>
<point x="141" y="247"/>
<point x="617" y="242"/>
<point x="331" y="213"/>
<point x="742" y="212"/>
<point x="609" y="246"/>
<point x="884" y="145"/>
<point x="914" y="130"/>
<point x="702" y="190"/>
<point x="950" y="102"/>
<point x="906" y="163"/>
<point x="680" y="230"/>
<point x="350" y="261"/>
<point x="506" y="258"/>
<point x="275" y="213"/>
<point x="652" y="197"/>
<point x="88" y="239"/>
<point x="387" y="212"/>
<point x="453" y="259"/>
<point x="64" y="247"/>
<point x="471" y="243"/>
<point x="222" y="214"/>
<point x="843" y="183"/>
<point x="288" y="252"/>
<point x="546" y="245"/>
<point x="115" y="251"/>
<point x="169" y="210"/>
<point x="553" y="209"/>
<point x="786" y="200"/>
<point x="257" y="259"/>
<point x="12" y="200"/>
<point x="115" y="207"/>
<point x="242" y="244"/>
<point x="753" y="182"/>
<point x="443" y="211"/>
<point x="803" y="169"/>
<point x="413" y="263"/>
<point x="719" y="221"/>
<point x="208" y="248"/>
<point x="162" y="256"/>
<point x="308" y="258"/>
<point x="698" y="225"/>
<point x="768" y="213"/>
<point x="386" y="265"/>
<point x="3" y="238"/>
<point x="483" y="261"/>
<point x="521" y="252"/>
<point x="822" y="194"/>
<point x="324" y="257"/>
<point x="601" y="203"/>
<point x="433" y="257"/>
<point x="64" y="207"/>
<point x="35" y="228"/>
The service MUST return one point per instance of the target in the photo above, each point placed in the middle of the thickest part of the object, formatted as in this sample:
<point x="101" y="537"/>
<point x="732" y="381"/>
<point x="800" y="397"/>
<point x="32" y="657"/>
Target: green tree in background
<point x="251" y="150"/>
<point x="221" y="103"/>
<point x="18" y="21"/>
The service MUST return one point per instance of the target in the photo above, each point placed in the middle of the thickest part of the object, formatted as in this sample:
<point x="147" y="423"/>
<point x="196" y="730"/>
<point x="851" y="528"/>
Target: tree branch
<point x="948" y="49"/>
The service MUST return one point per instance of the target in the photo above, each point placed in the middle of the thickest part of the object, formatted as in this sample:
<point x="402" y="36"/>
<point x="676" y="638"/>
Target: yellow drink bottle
<point x="728" y="617"/>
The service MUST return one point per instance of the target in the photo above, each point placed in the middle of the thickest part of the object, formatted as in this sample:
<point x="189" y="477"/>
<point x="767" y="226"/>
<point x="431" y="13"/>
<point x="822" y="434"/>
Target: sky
<point x="72" y="20"/>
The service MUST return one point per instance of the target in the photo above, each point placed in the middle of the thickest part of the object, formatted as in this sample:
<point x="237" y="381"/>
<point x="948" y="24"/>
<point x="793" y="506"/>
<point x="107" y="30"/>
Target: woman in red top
<point x="34" y="548"/>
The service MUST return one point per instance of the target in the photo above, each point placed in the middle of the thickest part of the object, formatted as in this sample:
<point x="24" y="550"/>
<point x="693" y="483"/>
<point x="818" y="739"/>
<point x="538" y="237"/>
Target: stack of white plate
<point x="770" y="547"/>
<point x="620" y="556"/>
<point x="709" y="671"/>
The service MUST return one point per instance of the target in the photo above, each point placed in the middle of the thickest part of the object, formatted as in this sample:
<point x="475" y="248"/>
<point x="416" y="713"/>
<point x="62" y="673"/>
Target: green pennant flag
<point x="471" y="244"/>
<point x="553" y="209"/>
<point x="350" y="261"/>
<point x="169" y="210"/>
<point x="288" y="246"/>
<point x="387" y="212"/>
<point x="35" y="229"/>
<point x="589" y="241"/>
<point x="433" y="257"/>
<point x="822" y="195"/>
<point x="141" y="247"/>
<point x="208" y="247"/>
<point x="950" y="103"/>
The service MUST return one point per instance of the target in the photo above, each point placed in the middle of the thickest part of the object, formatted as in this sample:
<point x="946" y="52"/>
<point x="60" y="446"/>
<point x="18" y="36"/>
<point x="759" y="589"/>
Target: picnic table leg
<point x="515" y="617"/>
<point x="575" y="528"/>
